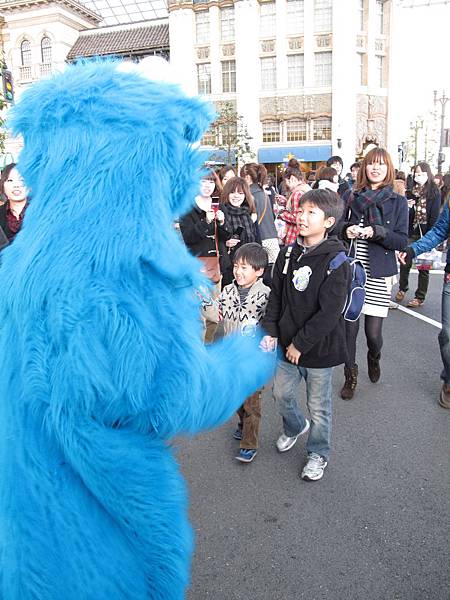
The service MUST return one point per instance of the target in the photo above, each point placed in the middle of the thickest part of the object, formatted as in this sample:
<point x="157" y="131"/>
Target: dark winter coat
<point x="4" y="222"/>
<point x="267" y="229"/>
<point x="311" y="319"/>
<point x="391" y="236"/>
<point x="198" y="235"/>
<point x="433" y="208"/>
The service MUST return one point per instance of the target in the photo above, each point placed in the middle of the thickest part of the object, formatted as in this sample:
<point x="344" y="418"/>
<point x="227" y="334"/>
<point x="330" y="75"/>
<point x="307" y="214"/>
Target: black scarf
<point x="239" y="216"/>
<point x="368" y="203"/>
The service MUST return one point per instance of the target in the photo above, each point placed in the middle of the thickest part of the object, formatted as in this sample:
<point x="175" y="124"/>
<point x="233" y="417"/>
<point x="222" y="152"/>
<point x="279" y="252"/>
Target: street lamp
<point x="418" y="125"/>
<point x="443" y="101"/>
<point x="401" y="155"/>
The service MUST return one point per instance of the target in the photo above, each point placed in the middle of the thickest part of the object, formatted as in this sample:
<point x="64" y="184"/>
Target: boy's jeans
<point x="286" y="390"/>
<point x="444" y="335"/>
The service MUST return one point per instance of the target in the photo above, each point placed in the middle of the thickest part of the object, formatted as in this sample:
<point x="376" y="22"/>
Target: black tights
<point x="372" y="329"/>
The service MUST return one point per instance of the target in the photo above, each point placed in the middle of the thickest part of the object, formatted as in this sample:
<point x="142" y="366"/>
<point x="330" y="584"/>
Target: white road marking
<point x="432" y="271"/>
<point x="412" y="313"/>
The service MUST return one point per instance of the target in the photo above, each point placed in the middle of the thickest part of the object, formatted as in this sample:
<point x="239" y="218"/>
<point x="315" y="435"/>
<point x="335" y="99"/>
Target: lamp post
<point x="443" y="100"/>
<point x="401" y="155"/>
<point x="418" y="125"/>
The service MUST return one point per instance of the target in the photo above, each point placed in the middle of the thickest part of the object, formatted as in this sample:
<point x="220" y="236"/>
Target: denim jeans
<point x="286" y="390"/>
<point x="444" y="335"/>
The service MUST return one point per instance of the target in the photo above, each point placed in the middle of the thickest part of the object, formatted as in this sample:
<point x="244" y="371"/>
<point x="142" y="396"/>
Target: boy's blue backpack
<point x="356" y="293"/>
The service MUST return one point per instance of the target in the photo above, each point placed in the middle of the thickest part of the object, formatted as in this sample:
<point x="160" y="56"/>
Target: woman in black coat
<point x="424" y="201"/>
<point x="376" y="225"/>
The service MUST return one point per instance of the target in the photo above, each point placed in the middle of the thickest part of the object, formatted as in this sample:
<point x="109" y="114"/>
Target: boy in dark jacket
<point x="304" y="316"/>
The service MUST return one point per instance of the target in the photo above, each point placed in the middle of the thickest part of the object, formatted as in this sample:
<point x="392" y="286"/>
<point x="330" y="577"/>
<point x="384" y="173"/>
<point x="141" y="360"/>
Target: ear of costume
<point x="101" y="342"/>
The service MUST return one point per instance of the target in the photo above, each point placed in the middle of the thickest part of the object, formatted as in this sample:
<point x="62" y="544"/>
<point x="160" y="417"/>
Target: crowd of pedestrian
<point x="267" y="251"/>
<point x="279" y="243"/>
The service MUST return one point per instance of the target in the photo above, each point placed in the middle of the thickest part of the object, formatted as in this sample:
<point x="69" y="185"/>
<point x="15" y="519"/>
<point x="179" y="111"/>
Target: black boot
<point x="373" y="366"/>
<point x="351" y="379"/>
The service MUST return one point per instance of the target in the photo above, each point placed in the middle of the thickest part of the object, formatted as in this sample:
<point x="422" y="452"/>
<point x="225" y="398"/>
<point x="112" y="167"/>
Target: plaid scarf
<point x="368" y="204"/>
<point x="239" y="216"/>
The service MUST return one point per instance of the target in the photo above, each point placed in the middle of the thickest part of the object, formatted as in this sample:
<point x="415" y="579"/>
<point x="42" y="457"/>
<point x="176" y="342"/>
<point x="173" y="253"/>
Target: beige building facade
<point x="309" y="77"/>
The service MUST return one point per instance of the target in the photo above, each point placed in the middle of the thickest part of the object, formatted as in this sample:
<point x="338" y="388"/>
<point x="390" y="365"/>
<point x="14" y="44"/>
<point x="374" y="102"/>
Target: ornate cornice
<point x="13" y="6"/>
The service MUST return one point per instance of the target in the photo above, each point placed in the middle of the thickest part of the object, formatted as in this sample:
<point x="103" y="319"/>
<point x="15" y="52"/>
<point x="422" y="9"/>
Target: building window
<point x="202" y="27"/>
<point x="380" y="69"/>
<point x="268" y="73"/>
<point x="46" y="50"/>
<point x="361" y="15"/>
<point x="25" y="52"/>
<point x="362" y="68"/>
<point x="323" y="68"/>
<point x="267" y="19"/>
<point x="227" y="24"/>
<point x="204" y="78"/>
<point x="271" y="131"/>
<point x="296" y="130"/>
<point x="380" y="15"/>
<point x="228" y="76"/>
<point x="322" y="128"/>
<point x="296" y="71"/>
<point x="295" y="17"/>
<point x="209" y="139"/>
<point x="322" y="15"/>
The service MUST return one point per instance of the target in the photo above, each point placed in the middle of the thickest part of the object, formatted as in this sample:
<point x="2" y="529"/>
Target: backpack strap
<point x="287" y="258"/>
<point x="337" y="261"/>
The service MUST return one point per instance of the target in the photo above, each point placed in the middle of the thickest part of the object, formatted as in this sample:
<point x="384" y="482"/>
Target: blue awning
<point x="306" y="153"/>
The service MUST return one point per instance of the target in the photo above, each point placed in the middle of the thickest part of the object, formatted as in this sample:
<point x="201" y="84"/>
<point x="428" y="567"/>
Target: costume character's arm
<point x="142" y="363"/>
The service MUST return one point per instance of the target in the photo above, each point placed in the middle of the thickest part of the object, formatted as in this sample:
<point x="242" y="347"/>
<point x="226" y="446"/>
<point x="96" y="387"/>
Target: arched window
<point x="46" y="50"/>
<point x="25" y="52"/>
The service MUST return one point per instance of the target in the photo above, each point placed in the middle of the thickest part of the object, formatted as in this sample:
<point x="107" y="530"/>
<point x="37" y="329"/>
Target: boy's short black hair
<point x="252" y="254"/>
<point x="328" y="201"/>
<point x="335" y="159"/>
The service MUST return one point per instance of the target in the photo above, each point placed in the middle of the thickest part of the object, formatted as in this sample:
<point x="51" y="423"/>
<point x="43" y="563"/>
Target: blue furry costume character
<point x="102" y="359"/>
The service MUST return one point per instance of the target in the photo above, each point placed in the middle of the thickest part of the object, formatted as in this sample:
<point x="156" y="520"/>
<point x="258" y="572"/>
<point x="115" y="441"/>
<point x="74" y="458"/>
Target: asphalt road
<point x="376" y="527"/>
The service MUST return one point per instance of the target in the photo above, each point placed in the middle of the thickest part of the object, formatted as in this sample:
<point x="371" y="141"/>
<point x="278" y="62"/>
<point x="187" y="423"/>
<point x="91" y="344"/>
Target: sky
<point x="422" y="47"/>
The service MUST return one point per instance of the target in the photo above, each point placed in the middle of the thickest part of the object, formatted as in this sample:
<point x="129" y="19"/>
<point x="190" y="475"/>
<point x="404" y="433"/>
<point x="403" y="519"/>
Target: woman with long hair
<point x="375" y="225"/>
<point x="424" y="201"/>
<point x="240" y="219"/>
<point x="13" y="190"/>
<point x="256" y="175"/>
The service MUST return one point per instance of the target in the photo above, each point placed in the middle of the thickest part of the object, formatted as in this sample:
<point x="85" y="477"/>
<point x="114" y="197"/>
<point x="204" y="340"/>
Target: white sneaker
<point x="314" y="468"/>
<point x="285" y="443"/>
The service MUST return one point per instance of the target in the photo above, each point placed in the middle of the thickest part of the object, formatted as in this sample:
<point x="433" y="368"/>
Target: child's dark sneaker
<point x="246" y="454"/>
<point x="314" y="468"/>
<point x="237" y="434"/>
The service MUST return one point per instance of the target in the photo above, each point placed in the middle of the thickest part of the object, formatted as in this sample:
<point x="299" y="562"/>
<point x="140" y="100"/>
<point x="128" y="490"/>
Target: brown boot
<point x="351" y="379"/>
<point x="373" y="366"/>
<point x="444" y="398"/>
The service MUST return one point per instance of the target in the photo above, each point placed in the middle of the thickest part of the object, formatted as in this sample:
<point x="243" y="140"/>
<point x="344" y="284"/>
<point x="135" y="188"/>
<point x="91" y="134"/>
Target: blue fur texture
<point x="100" y="338"/>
